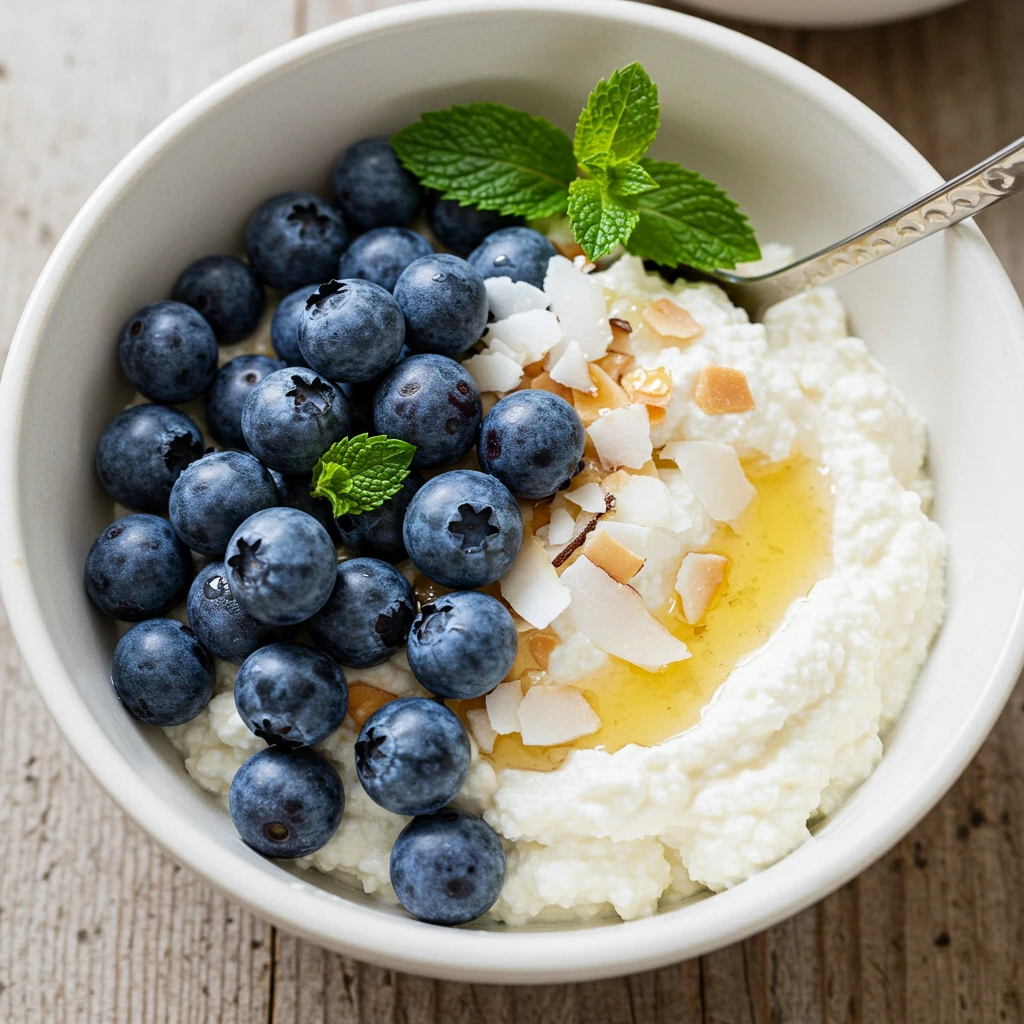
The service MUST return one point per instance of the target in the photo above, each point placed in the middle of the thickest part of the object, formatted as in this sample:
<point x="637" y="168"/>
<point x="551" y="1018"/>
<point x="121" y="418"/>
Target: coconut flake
<point x="623" y="437"/>
<point x="532" y="587"/>
<point x="589" y="497"/>
<point x="528" y="336"/>
<point x="616" y="619"/>
<point x="700" y="575"/>
<point x="506" y="297"/>
<point x="561" y="527"/>
<point x="714" y="474"/>
<point x="579" y="303"/>
<point x="555" y="714"/>
<point x="493" y="371"/>
<point x="572" y="370"/>
<point x="480" y="727"/>
<point x="503" y="706"/>
<point x="645" y="501"/>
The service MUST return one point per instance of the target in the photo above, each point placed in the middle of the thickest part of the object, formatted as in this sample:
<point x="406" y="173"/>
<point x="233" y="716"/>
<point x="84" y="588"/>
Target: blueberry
<point x="378" y="533"/>
<point x="294" y="237"/>
<point x="447" y="868"/>
<point x="445" y="304"/>
<point x="532" y="441"/>
<point x="372" y="189"/>
<point x="161" y="673"/>
<point x="291" y="695"/>
<point x="463" y="228"/>
<point x="281" y="566"/>
<point x="433" y="403"/>
<point x="382" y="254"/>
<point x="293" y="491"/>
<point x="215" y="495"/>
<point x="284" y="326"/>
<point x="462" y="645"/>
<point x="143" y="451"/>
<point x="286" y="803"/>
<point x="463" y="529"/>
<point x="292" y="417"/>
<point x="223" y="626"/>
<point x="231" y="388"/>
<point x="519" y="253"/>
<point x="137" y="568"/>
<point x="168" y="352"/>
<point x="367" y="617"/>
<point x="351" y="330"/>
<point x="226" y="292"/>
<point x="412" y="756"/>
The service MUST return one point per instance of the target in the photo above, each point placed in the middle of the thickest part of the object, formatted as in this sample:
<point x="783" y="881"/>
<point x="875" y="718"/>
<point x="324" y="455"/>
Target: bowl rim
<point x="509" y="956"/>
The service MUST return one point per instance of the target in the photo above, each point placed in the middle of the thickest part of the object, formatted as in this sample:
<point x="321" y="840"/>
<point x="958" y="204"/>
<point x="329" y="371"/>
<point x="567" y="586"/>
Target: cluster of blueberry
<point x="375" y="346"/>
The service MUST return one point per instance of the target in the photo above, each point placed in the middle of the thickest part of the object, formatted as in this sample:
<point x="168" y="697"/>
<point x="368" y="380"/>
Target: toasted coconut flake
<point x="722" y="389"/>
<point x="480" y="727"/>
<point x="700" y="576"/>
<point x="713" y="472"/>
<point x="615" y="482"/>
<point x="615" y="619"/>
<point x="616" y="559"/>
<point x="363" y="700"/>
<point x="541" y="645"/>
<point x="562" y="527"/>
<point x="572" y="370"/>
<point x="554" y="714"/>
<point x="570" y="250"/>
<point x="544" y="382"/>
<point x="503" y="706"/>
<point x="494" y="372"/>
<point x="615" y="364"/>
<point x="531" y="585"/>
<point x="578" y="301"/>
<point x="623" y="437"/>
<point x="608" y="396"/>
<point x="672" y="321"/>
<point x="582" y="264"/>
<point x="506" y="297"/>
<point x="589" y="497"/>
<point x="649" y="386"/>
<point x="582" y="533"/>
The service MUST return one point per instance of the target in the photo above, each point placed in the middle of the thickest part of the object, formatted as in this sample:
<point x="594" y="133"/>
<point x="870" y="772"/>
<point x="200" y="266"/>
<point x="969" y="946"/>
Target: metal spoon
<point x="959" y="198"/>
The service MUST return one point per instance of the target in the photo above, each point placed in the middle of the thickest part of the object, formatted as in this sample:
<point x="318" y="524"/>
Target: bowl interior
<point x="804" y="159"/>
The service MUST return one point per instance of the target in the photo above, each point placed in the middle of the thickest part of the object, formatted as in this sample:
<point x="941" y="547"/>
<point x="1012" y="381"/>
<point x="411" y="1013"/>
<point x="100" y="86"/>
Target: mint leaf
<point x="629" y="180"/>
<point x="687" y="219"/>
<point x="490" y="156"/>
<point x="358" y="474"/>
<point x="599" y="219"/>
<point x="620" y="118"/>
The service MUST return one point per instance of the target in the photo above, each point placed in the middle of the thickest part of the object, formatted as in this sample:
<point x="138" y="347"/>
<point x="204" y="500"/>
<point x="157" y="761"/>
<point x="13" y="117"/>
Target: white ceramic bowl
<point x="821" y="13"/>
<point x="808" y="162"/>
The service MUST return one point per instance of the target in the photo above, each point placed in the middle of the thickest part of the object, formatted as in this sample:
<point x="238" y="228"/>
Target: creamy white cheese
<point x="795" y="726"/>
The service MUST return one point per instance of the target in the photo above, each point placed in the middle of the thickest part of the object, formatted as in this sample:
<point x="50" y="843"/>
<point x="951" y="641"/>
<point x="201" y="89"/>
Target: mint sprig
<point x="358" y="474"/>
<point x="492" y="157"/>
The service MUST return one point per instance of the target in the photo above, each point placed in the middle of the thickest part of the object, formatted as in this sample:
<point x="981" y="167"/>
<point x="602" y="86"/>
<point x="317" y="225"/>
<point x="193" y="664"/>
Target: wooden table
<point x="97" y="925"/>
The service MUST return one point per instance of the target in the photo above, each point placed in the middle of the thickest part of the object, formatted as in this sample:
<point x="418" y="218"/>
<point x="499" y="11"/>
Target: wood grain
<point x="96" y="925"/>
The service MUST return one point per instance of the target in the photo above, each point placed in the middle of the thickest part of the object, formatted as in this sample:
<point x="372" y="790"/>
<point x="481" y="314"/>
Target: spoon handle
<point x="963" y="196"/>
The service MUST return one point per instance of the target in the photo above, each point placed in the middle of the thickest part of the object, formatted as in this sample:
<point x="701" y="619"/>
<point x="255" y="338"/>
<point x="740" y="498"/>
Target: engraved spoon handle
<point x="963" y="196"/>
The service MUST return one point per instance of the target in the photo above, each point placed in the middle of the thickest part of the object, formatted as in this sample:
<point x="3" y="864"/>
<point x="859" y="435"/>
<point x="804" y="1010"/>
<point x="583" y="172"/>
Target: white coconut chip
<point x="589" y="497"/>
<point x="579" y="303"/>
<point x="480" y="727"/>
<point x="615" y="618"/>
<point x="561" y="527"/>
<point x="572" y="370"/>
<point x="700" y="575"/>
<point x="505" y="297"/>
<point x="503" y="707"/>
<point x="623" y="437"/>
<point x="527" y="336"/>
<point x="555" y="714"/>
<point x="645" y="501"/>
<point x="532" y="587"/>
<point x="713" y="472"/>
<point x="493" y="371"/>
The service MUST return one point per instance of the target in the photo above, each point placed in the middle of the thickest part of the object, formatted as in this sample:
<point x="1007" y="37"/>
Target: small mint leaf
<point x="491" y="156"/>
<point x="620" y="118"/>
<point x="600" y="221"/>
<point x="689" y="220"/>
<point x="358" y="474"/>
<point x="629" y="180"/>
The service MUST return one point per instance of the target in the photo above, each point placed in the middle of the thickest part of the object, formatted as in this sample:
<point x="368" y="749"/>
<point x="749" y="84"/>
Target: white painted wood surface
<point x="97" y="925"/>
